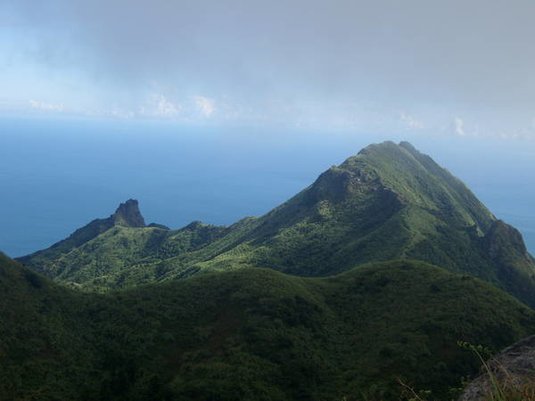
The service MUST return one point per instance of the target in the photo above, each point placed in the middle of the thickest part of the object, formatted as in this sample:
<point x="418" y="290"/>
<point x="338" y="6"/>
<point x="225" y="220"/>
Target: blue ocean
<point x="57" y="175"/>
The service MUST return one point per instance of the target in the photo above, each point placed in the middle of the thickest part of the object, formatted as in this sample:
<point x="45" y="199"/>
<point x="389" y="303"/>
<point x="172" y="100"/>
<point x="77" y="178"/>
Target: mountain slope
<point x="251" y="334"/>
<point x="387" y="202"/>
<point x="381" y="204"/>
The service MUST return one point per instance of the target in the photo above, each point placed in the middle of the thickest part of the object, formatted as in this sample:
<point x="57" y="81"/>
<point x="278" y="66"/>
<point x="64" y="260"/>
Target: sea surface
<point x="57" y="175"/>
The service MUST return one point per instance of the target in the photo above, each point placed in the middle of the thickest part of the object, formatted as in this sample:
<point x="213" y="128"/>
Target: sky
<point x="461" y="68"/>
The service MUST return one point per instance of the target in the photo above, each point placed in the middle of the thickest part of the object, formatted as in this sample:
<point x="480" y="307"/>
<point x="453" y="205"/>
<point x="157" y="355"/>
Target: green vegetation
<point x="388" y="202"/>
<point x="251" y="334"/>
<point x="320" y="299"/>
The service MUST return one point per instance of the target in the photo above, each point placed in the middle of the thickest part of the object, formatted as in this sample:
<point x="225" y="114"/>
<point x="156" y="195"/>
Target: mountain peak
<point x="128" y="214"/>
<point x="408" y="146"/>
<point x="385" y="145"/>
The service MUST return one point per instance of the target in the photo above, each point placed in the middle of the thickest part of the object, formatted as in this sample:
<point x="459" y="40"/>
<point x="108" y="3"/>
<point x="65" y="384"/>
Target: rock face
<point x="128" y="214"/>
<point x="513" y="367"/>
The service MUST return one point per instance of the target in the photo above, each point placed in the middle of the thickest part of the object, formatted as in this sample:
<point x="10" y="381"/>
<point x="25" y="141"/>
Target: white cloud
<point x="48" y="107"/>
<point x="205" y="106"/>
<point x="410" y="121"/>
<point x="159" y="106"/>
<point x="121" y="113"/>
<point x="458" y="126"/>
<point x="166" y="108"/>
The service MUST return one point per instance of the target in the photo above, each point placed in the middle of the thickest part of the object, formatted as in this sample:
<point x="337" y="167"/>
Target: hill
<point x="388" y="202"/>
<point x="251" y="334"/>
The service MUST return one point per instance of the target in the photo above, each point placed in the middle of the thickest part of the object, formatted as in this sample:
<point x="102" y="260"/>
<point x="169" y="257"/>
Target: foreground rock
<point x="514" y="369"/>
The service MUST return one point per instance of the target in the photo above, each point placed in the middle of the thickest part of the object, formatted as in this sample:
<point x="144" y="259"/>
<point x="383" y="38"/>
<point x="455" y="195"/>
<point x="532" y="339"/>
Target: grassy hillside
<point x="387" y="202"/>
<point x="251" y="334"/>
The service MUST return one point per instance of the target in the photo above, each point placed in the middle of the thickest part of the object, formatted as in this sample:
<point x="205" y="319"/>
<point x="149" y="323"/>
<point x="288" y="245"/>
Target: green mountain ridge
<point x="388" y="202"/>
<point x="251" y="334"/>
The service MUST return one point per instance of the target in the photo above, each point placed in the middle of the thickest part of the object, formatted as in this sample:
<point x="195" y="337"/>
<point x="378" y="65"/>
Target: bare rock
<point x="514" y="367"/>
<point x="128" y="214"/>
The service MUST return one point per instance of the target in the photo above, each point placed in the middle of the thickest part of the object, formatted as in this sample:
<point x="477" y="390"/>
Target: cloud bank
<point x="345" y="62"/>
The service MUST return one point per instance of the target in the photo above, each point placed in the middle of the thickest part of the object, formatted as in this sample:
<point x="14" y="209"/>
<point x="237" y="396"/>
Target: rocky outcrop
<point x="128" y="214"/>
<point x="513" y="368"/>
<point x="505" y="242"/>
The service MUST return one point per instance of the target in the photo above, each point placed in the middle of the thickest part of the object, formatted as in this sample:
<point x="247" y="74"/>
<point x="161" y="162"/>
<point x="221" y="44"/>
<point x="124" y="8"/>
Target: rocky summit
<point x="128" y="214"/>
